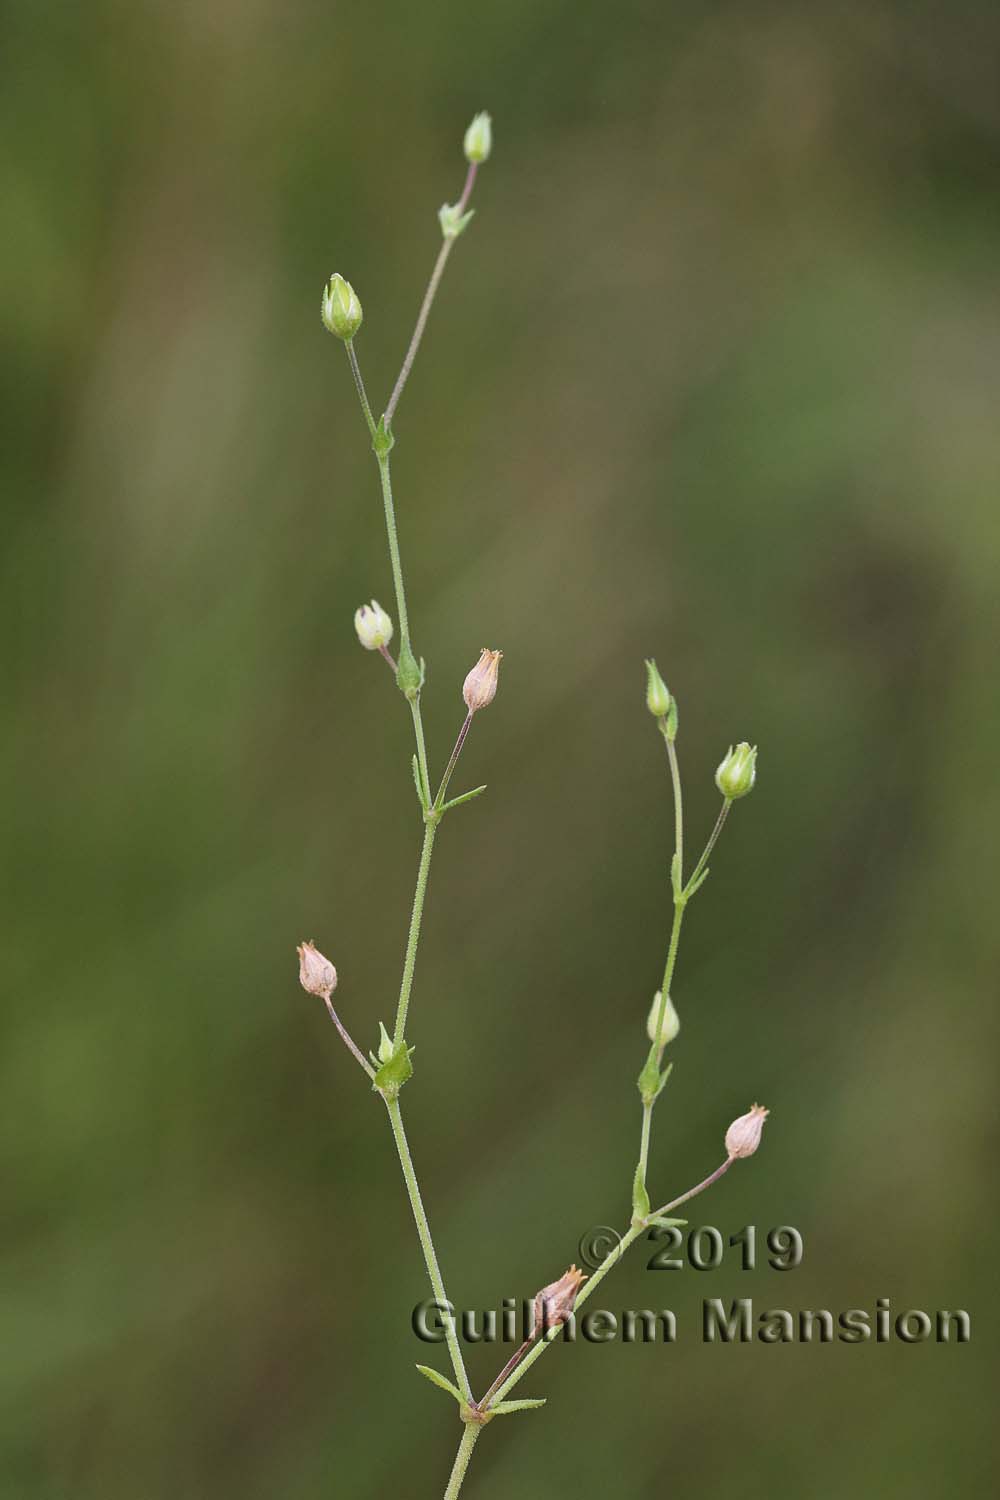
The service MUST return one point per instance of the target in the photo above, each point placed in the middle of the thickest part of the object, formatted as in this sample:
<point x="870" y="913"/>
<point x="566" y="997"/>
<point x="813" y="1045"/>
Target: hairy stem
<point x="428" y="302"/>
<point x="469" y="1439"/>
<point x="427" y="1246"/>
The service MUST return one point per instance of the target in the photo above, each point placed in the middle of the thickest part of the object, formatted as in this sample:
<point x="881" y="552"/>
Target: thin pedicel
<point x="389" y="1066"/>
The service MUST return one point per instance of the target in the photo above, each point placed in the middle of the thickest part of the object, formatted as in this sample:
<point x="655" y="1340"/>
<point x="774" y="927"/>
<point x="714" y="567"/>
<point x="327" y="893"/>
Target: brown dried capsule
<point x="554" y="1303"/>
<point x="317" y="975"/>
<point x="480" y="687"/>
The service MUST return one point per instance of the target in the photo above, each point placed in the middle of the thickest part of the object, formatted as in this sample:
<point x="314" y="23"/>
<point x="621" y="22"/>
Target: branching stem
<point x="428" y="302"/>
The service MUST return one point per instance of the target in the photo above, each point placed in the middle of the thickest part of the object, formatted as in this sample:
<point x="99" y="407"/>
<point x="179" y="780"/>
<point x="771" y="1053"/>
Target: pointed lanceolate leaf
<point x="648" y="1082"/>
<point x="416" y="781"/>
<point x="504" y="1408"/>
<point x="436" y="1378"/>
<point x="662" y="1223"/>
<point x="696" y="885"/>
<point x="464" y="797"/>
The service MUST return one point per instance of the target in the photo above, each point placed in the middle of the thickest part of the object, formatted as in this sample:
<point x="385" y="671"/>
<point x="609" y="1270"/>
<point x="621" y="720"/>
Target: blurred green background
<point x="714" y="377"/>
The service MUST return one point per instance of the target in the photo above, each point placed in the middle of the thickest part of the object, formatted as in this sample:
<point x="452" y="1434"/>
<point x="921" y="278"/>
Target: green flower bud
<point x="670" y="1025"/>
<point x="341" y="309"/>
<point x="373" y="625"/>
<point x="657" y="694"/>
<point x="738" y="772"/>
<point x="385" y="1046"/>
<point x="479" y="138"/>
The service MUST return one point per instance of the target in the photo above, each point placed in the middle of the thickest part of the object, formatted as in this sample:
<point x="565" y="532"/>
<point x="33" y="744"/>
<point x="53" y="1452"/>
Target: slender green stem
<point x="469" y="1439"/>
<point x="712" y="841"/>
<point x="428" y="302"/>
<point x="452" y="762"/>
<point x="427" y="1246"/>
<point x="677" y="880"/>
<point x="394" y="558"/>
<point x="675" y="776"/>
<point x="360" y="385"/>
<point x="647" y="1120"/>
<point x="409" y="961"/>
<point x="668" y="970"/>
<point x="418" y="733"/>
<point x="404" y="619"/>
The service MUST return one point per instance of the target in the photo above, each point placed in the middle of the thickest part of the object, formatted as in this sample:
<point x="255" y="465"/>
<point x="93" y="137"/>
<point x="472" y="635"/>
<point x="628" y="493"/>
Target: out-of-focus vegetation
<point x="714" y="377"/>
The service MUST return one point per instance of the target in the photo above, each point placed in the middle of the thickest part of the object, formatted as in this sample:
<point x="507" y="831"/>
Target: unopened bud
<point x="479" y="138"/>
<point x="554" y="1303"/>
<point x="657" y="692"/>
<point x="743" y="1135"/>
<point x="385" y="1044"/>
<point x="669" y="1026"/>
<point x="738" y="772"/>
<point x="341" y="309"/>
<point x="373" y="625"/>
<point x="317" y="975"/>
<point x="480" y="687"/>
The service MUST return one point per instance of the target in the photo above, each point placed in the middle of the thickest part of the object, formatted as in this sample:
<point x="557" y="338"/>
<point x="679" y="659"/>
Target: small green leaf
<point x="436" y="1378"/>
<point x="640" y="1197"/>
<point x="671" y="728"/>
<point x="416" y="779"/>
<point x="651" y="1082"/>
<point x="465" y="797"/>
<point x="675" y="874"/>
<point x="662" y="1223"/>
<point x="504" y="1408"/>
<point x="648" y="1081"/>
<point x="394" y="1072"/>
<point x="696" y="885"/>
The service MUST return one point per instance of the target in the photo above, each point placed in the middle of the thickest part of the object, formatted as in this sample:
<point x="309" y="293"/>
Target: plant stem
<point x="693" y="1192"/>
<point x="452" y="762"/>
<point x="675" y="777"/>
<point x="469" y="1439"/>
<point x="404" y="620"/>
<point x="360" y="385"/>
<point x="428" y="302"/>
<point x="647" y="1120"/>
<point x="394" y="558"/>
<point x="427" y="1246"/>
<point x="348" y="1040"/>
<point x="712" y="841"/>
<point x="409" y="962"/>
